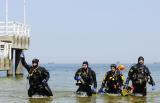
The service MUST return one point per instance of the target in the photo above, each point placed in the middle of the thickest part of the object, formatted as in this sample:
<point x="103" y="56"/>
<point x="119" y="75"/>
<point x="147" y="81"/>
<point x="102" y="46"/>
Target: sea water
<point x="14" y="89"/>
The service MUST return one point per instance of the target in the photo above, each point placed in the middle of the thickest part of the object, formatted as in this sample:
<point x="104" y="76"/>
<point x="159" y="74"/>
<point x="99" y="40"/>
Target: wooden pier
<point x="14" y="38"/>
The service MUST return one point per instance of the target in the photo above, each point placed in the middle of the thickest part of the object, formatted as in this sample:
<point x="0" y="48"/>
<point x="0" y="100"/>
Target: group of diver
<point x="113" y="82"/>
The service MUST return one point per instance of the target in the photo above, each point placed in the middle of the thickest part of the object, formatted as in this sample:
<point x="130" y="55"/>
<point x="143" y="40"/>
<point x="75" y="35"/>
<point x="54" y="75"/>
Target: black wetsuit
<point x="139" y="75"/>
<point x="89" y="78"/>
<point x="36" y="76"/>
<point x="113" y="82"/>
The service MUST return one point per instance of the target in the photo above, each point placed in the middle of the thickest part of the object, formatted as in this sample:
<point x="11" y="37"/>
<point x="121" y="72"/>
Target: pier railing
<point x="13" y="28"/>
<point x="14" y="36"/>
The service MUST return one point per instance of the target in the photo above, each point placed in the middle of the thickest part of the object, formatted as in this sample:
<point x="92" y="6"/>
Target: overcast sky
<point x="100" y="31"/>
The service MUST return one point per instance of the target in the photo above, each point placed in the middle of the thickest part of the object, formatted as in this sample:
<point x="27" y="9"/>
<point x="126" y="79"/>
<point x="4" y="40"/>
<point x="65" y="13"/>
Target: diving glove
<point x="78" y="78"/>
<point x="153" y="87"/>
<point x="94" y="90"/>
<point x="22" y="55"/>
<point x="101" y="90"/>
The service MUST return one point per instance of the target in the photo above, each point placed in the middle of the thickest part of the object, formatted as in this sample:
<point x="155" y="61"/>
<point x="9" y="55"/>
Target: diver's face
<point x="113" y="69"/>
<point x="34" y="64"/>
<point x="84" y="66"/>
<point x="141" y="62"/>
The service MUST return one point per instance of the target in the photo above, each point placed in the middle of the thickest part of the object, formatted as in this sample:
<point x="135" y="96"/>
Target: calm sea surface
<point x="14" y="89"/>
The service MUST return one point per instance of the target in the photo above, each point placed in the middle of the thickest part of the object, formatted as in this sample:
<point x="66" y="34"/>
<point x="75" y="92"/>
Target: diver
<point x="139" y="74"/>
<point x="113" y="81"/>
<point x="38" y="77"/>
<point x="86" y="78"/>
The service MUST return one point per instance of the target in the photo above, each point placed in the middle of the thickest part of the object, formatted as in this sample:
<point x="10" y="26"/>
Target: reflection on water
<point x="40" y="100"/>
<point x="86" y="99"/>
<point x="111" y="99"/>
<point x="19" y="77"/>
<point x="120" y="99"/>
<point x="14" y="89"/>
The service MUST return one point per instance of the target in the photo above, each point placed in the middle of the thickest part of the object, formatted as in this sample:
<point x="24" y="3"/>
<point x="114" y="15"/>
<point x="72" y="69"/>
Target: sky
<point x="100" y="31"/>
